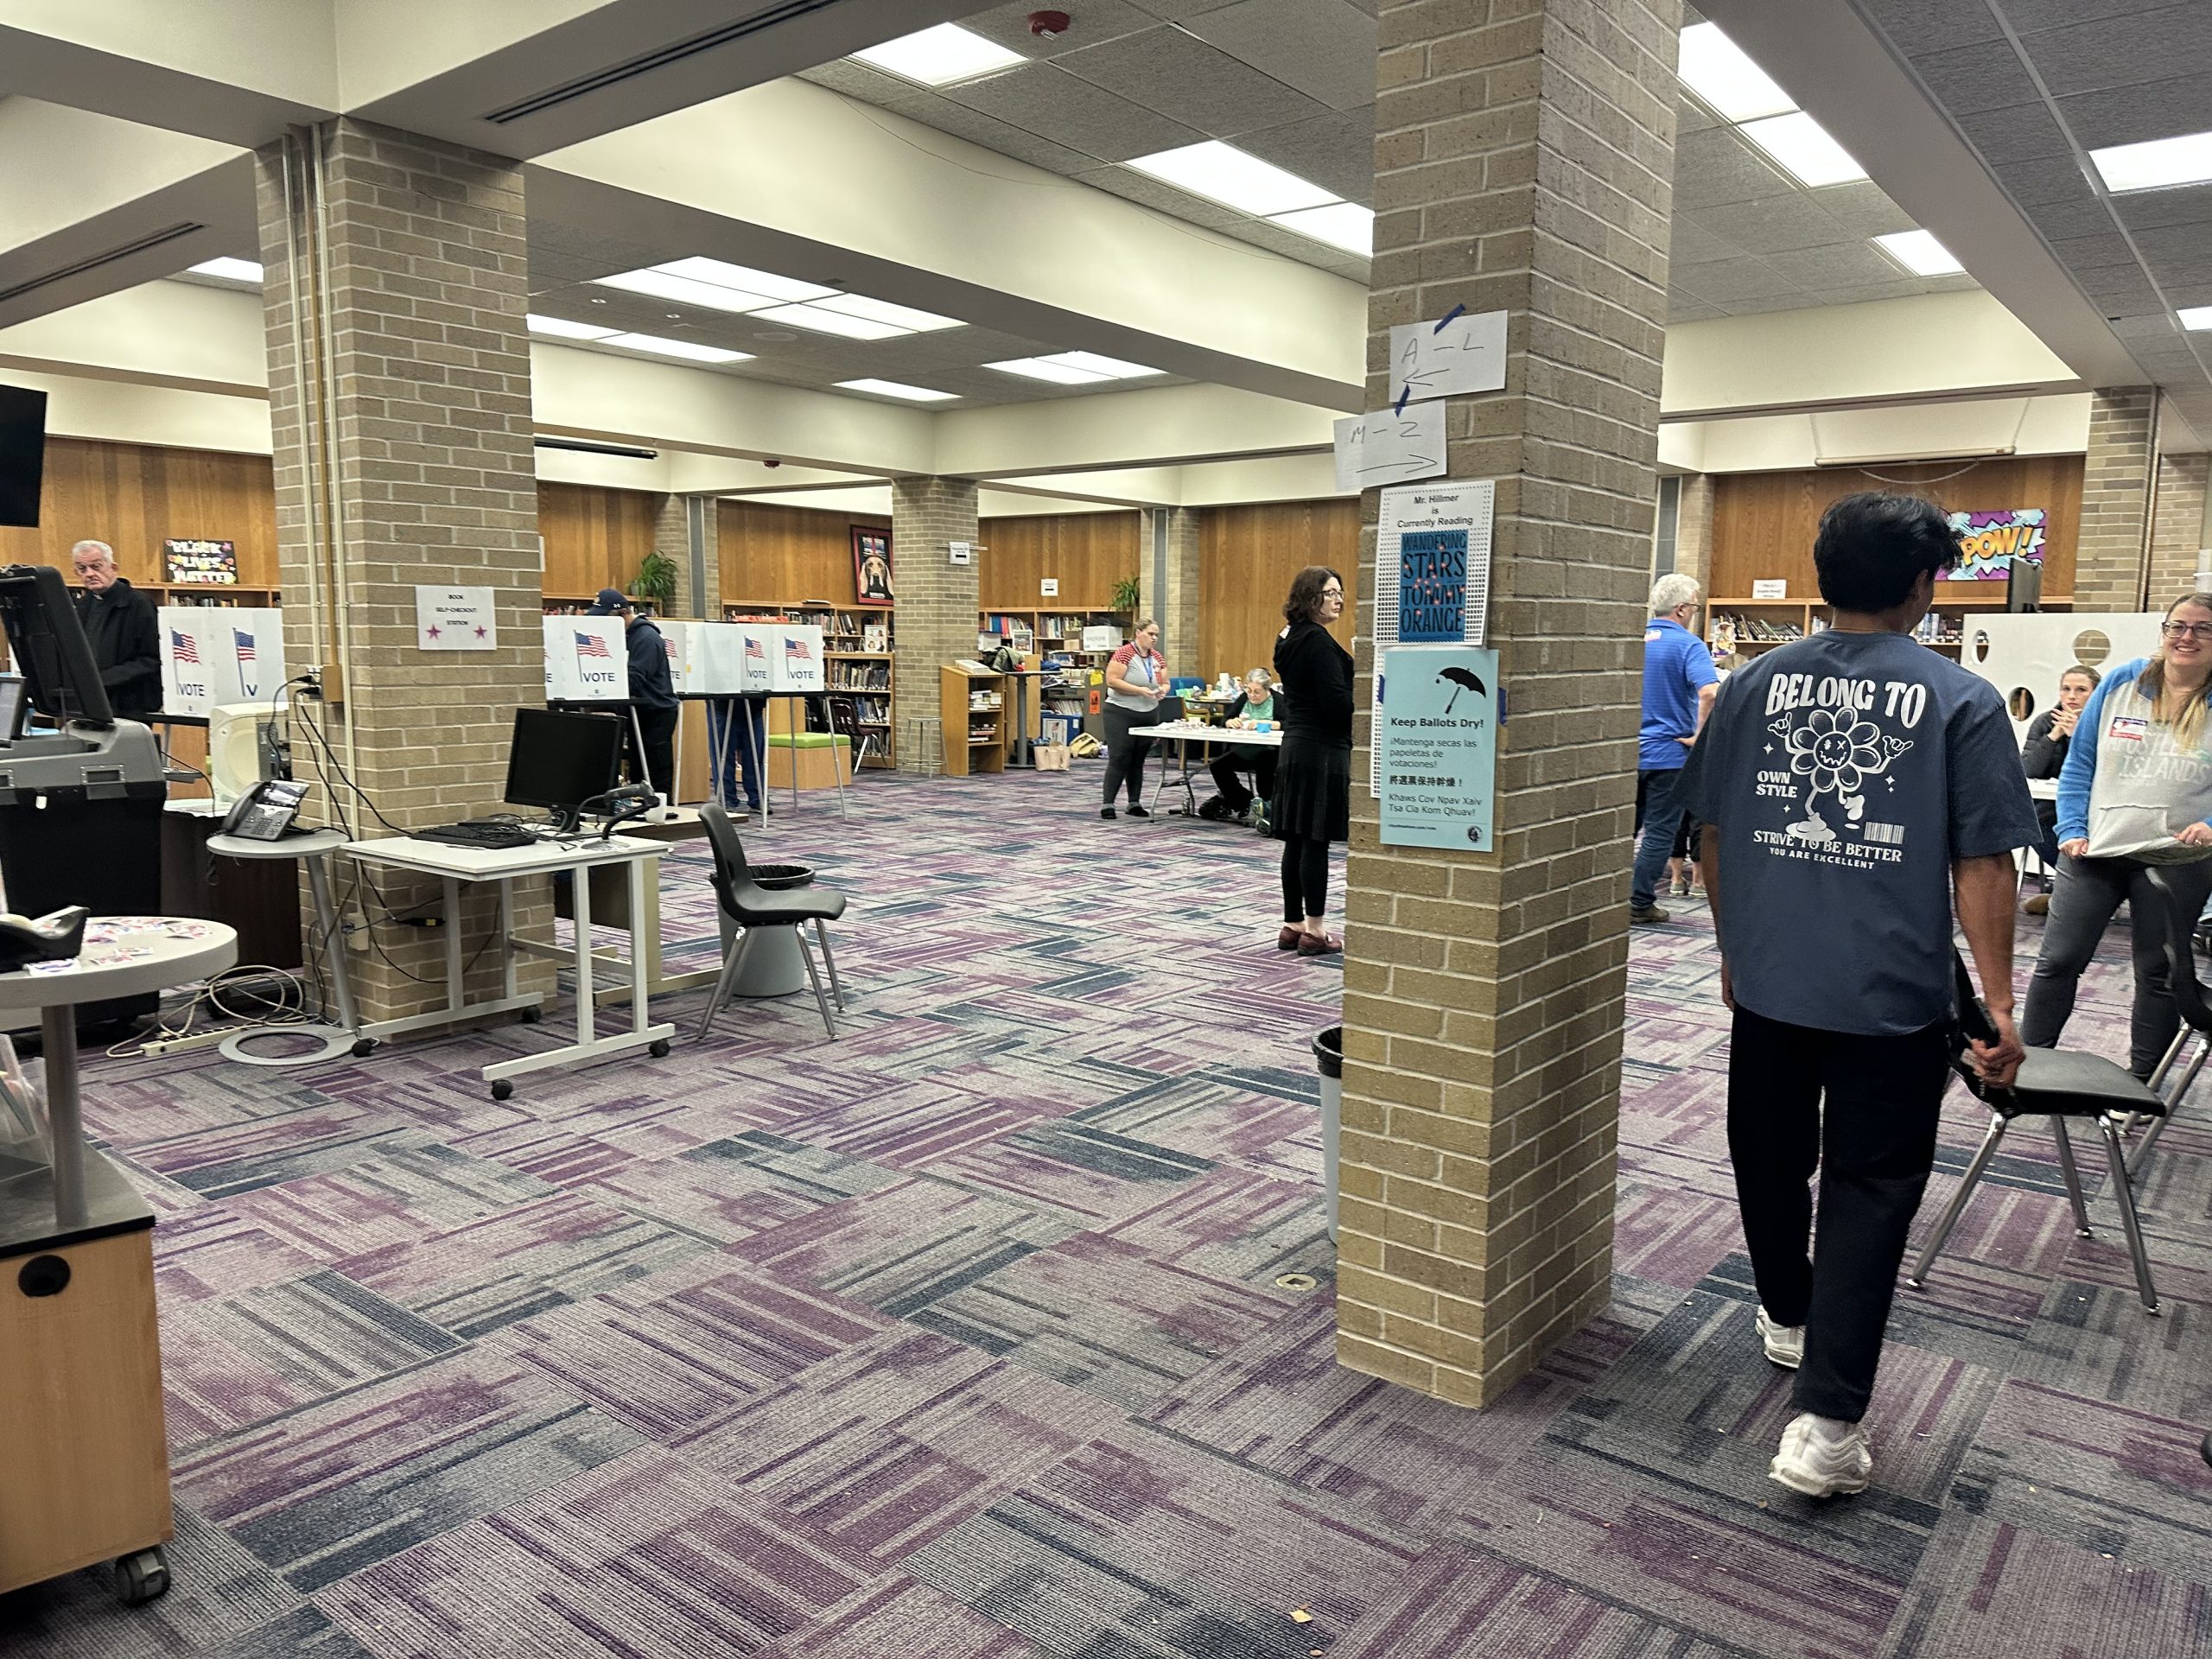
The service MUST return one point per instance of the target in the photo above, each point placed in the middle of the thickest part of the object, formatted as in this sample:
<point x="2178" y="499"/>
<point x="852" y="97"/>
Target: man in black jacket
<point x="124" y="634"/>
<point x="653" y="692"/>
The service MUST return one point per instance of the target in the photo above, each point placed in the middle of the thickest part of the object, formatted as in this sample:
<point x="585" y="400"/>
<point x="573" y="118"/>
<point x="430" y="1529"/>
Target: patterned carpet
<point x="963" y="1339"/>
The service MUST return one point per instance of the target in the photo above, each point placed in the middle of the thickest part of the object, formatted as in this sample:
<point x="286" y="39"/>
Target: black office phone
<point x="265" y="811"/>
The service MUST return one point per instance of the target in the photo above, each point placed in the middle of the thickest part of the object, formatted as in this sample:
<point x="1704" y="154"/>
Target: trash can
<point x="1329" y="1056"/>
<point x="773" y="967"/>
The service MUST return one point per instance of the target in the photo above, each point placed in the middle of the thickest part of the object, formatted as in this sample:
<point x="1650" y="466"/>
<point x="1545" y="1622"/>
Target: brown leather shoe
<point x="1288" y="938"/>
<point x="1327" y="944"/>
<point x="2038" y="905"/>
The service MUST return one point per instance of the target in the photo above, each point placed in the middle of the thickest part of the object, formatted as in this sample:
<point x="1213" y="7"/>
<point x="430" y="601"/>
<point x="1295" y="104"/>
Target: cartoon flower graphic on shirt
<point x="1836" y="756"/>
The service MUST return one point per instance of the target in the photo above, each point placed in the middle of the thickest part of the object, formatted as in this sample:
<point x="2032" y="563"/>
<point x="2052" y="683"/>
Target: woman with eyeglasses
<point x="2135" y="793"/>
<point x="1311" y="805"/>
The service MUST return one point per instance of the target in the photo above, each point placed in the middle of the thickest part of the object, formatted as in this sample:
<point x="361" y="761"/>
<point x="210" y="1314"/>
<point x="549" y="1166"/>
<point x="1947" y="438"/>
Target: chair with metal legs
<point x="2058" y="1084"/>
<point x="754" y="908"/>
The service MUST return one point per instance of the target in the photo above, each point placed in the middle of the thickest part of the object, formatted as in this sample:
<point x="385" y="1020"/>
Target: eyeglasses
<point x="1332" y="593"/>
<point x="2187" y="630"/>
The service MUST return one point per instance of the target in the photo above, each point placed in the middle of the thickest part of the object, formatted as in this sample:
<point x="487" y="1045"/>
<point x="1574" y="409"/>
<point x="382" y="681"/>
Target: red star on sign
<point x="479" y="630"/>
<point x="433" y="631"/>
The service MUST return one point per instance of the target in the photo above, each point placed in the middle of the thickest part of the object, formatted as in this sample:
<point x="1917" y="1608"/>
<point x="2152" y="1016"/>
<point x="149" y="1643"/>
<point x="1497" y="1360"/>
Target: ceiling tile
<point x="2046" y="179"/>
<point x="1045" y="99"/>
<point x="1865" y="293"/>
<point x="2127" y="51"/>
<point x="1715" y="166"/>
<point x="1986" y="76"/>
<point x="1864" y="210"/>
<point x="992" y="133"/>
<point x="1693" y="241"/>
<point x="1681" y="308"/>
<point x="2028" y="16"/>
<point x="858" y="80"/>
<point x="1789" y="220"/>
<point x="2173" y="248"/>
<point x="1184" y="79"/>
<point x="1336" y="152"/>
<point x="2148" y="209"/>
<point x="1176" y="11"/>
<point x="2012" y="135"/>
<point x="1324" y="49"/>
<point x="1796" y="299"/>
<point x="1934" y="25"/>
<point x="1166" y="198"/>
<point x="1089" y="22"/>
<point x="1690" y="116"/>
<point x="1851" y="264"/>
<point x="2108" y="247"/>
<point x="2133" y="115"/>
<point x="2062" y="220"/>
<point x="1730" y="281"/>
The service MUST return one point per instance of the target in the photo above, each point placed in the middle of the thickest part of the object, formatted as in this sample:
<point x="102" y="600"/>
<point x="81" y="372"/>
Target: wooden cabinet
<point x="975" y="709"/>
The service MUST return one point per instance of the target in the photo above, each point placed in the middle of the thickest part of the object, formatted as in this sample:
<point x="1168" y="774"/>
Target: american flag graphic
<point x="245" y="642"/>
<point x="184" y="646"/>
<point x="753" y="652"/>
<point x="590" y="645"/>
<point x="795" y="651"/>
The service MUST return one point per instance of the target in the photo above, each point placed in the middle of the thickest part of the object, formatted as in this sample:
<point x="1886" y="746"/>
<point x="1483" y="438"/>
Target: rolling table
<point x="456" y="866"/>
<point x="1183" y="734"/>
<point x="87" y="1475"/>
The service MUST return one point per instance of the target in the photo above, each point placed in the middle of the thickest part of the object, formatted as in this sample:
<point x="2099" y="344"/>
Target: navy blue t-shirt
<point x="1846" y="773"/>
<point x="1676" y="667"/>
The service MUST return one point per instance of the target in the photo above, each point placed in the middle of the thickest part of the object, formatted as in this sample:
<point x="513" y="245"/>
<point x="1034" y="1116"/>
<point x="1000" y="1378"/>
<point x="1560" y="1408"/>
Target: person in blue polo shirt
<point x="1678" y="680"/>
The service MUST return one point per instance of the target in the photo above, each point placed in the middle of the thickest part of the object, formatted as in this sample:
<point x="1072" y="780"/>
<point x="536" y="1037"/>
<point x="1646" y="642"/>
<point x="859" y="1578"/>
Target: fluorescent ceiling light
<point x="1112" y="368"/>
<point x="1226" y="173"/>
<point x="1343" y="225"/>
<point x="1720" y="71"/>
<point x="687" y="290"/>
<point x="1919" y="251"/>
<point x="896" y="389"/>
<point x="903" y="317"/>
<point x="824" y="322"/>
<point x="1044" y="368"/>
<point x="939" y="56"/>
<point x="2157" y="165"/>
<point x="562" y="328"/>
<point x="1802" y="146"/>
<point x="685" y="348"/>
<point x="235" y="270"/>
<point x="744" y="278"/>
<point x="2195" y="318"/>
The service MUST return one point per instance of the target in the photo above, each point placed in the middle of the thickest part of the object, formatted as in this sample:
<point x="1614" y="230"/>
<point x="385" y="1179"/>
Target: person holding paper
<point x="122" y="631"/>
<point x="1312" y="804"/>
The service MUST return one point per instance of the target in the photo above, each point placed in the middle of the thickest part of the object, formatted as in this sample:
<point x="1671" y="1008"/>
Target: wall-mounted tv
<point x="22" y="454"/>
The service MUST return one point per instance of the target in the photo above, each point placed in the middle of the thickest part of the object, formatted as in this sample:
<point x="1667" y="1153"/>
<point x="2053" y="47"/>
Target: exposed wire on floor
<point x="255" y="995"/>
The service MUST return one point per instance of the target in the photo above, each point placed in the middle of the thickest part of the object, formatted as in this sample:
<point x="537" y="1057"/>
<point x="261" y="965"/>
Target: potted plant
<point x="656" y="581"/>
<point x="1129" y="593"/>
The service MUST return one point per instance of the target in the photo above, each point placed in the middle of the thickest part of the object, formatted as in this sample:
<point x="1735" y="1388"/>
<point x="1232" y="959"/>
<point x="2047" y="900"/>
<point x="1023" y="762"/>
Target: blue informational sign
<point x="1436" y="738"/>
<point x="1433" y="585"/>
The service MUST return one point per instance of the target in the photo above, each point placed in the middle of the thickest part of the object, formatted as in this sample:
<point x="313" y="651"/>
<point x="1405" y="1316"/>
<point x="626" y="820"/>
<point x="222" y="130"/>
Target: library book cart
<point x="84" y="1465"/>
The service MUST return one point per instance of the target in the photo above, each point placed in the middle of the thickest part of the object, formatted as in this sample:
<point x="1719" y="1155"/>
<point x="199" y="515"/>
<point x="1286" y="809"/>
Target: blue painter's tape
<point x="1404" y="393"/>
<point x="1446" y="318"/>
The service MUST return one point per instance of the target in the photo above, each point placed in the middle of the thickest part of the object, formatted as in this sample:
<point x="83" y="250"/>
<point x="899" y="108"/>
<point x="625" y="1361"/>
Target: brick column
<point x="399" y="393"/>
<point x="934" y="621"/>
<point x="2176" y="527"/>
<point x="1170" y="590"/>
<point x="1524" y="159"/>
<point x="2109" y="564"/>
<point x="697" y="594"/>
<point x="1693" y="529"/>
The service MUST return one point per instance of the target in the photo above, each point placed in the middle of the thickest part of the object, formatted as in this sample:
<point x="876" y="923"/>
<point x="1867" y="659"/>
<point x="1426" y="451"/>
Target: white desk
<point x="1183" y="734"/>
<point x="454" y="865"/>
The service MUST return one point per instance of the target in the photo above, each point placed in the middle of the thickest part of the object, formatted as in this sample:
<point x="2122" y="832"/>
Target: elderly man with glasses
<point x="123" y="631"/>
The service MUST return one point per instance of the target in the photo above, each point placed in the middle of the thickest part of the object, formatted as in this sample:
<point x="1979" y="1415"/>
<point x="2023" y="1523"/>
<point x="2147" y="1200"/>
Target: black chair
<point x="2059" y="1084"/>
<point x="753" y="907"/>
<point x="844" y="717"/>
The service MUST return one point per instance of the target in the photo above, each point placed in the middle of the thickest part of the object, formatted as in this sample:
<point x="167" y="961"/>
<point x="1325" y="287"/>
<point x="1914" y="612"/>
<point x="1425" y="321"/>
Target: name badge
<point x="2128" y="728"/>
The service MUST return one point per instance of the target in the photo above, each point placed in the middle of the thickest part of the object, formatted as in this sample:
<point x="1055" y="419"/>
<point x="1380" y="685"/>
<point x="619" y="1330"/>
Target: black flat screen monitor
<point x="2024" y="585"/>
<point x="22" y="454"/>
<point x="559" y="760"/>
<point x="48" y="643"/>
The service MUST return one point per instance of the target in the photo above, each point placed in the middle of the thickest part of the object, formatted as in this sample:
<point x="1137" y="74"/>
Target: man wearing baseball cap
<point x="652" y="694"/>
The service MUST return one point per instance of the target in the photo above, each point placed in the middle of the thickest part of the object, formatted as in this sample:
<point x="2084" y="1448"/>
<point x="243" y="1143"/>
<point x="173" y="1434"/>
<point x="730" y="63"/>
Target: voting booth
<point x="214" y="654"/>
<point x="587" y="659"/>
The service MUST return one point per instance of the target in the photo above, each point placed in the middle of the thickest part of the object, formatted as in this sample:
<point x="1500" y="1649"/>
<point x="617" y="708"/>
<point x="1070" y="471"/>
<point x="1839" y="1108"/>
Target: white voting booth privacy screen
<point x="586" y="659"/>
<point x="2023" y="656"/>
<point x="220" y="653"/>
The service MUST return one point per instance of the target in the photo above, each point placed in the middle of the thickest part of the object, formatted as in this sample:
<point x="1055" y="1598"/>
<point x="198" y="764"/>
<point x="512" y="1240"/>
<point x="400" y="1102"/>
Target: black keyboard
<point x="489" y="833"/>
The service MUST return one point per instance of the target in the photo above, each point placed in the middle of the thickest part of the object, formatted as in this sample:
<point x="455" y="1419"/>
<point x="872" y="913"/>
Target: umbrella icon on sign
<point x="1460" y="680"/>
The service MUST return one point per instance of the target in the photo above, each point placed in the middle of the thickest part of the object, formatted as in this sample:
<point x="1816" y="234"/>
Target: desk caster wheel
<point x="657" y="1048"/>
<point x="502" y="1089"/>
<point x="141" y="1577"/>
<point x="363" y="1047"/>
<point x="531" y="1016"/>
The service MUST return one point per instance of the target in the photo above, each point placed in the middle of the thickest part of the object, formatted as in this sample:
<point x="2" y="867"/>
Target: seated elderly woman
<point x="1255" y="705"/>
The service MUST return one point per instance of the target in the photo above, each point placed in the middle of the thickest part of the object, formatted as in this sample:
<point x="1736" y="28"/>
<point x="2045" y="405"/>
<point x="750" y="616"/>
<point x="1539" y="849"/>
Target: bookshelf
<point x="1759" y="625"/>
<point x="974" y="708"/>
<point x="858" y="659"/>
<point x="1055" y="631"/>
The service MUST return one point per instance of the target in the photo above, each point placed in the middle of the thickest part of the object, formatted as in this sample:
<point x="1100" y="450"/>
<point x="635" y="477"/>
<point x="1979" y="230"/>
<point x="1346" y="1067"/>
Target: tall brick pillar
<point x="2176" y="527"/>
<point x="399" y="390"/>
<point x="1168" y="574"/>
<point x="683" y="531"/>
<point x="934" y="620"/>
<point x="2109" y="564"/>
<point x="1524" y="154"/>
<point x="1694" y="531"/>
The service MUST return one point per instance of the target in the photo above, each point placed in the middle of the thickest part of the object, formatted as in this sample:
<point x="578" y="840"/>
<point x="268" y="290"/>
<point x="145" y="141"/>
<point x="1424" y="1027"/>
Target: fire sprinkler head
<point x="1046" y="24"/>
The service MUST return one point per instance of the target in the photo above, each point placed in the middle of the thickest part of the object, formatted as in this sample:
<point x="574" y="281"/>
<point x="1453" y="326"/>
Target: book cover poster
<point x="1432" y="585"/>
<point x="1989" y="542"/>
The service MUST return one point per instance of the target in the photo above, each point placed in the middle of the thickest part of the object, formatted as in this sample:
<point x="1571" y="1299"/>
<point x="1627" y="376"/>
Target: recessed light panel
<point x="688" y="290"/>
<point x="1919" y="251"/>
<point x="691" y="350"/>
<point x="1112" y="368"/>
<point x="562" y="328"/>
<point x="939" y="56"/>
<point x="822" y="320"/>
<point x="2158" y="165"/>
<point x="903" y="318"/>
<point x="1044" y="368"/>
<point x="744" y="278"/>
<point x="1802" y="146"/>
<point x="2195" y="318"/>
<point x="1720" y="71"/>
<point x="1343" y="225"/>
<point x="896" y="388"/>
<point x="1224" y="174"/>
<point x="234" y="270"/>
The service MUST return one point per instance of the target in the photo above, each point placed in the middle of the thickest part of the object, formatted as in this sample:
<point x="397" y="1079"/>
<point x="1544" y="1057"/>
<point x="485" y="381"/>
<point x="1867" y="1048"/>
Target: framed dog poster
<point x="872" y="565"/>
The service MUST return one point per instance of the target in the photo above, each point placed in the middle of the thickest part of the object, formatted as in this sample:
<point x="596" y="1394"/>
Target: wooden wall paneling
<point x="1247" y="558"/>
<point x="135" y="496"/>
<point x="1763" y="522"/>
<point x="784" y="555"/>
<point x="1087" y="552"/>
<point x="594" y="537"/>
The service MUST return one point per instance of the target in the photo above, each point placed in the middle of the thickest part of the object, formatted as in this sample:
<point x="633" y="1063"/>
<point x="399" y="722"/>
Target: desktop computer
<point x="557" y="759"/>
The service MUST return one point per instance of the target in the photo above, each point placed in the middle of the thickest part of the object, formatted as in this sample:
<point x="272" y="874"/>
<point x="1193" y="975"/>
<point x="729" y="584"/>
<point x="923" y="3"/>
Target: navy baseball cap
<point x="610" y="600"/>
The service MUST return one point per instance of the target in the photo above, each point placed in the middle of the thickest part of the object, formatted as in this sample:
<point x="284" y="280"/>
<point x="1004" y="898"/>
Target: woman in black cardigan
<point x="1311" y="805"/>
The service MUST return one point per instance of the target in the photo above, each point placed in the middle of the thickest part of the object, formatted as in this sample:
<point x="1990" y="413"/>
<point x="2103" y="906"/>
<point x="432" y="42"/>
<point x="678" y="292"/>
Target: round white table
<point x="313" y="849"/>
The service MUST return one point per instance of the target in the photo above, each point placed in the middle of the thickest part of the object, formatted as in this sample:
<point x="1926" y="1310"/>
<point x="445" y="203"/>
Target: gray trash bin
<point x="1329" y="1055"/>
<point x="775" y="966"/>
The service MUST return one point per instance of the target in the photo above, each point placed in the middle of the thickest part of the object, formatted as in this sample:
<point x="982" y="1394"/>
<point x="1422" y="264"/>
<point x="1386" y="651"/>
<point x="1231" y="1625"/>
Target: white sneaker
<point x="1785" y="1344"/>
<point x="1823" y="1457"/>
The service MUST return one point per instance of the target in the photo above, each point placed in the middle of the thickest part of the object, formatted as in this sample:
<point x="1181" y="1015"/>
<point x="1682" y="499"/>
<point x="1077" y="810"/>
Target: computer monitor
<point x="2024" y="584"/>
<point x="48" y="643"/>
<point x="559" y="760"/>
<point x="22" y="454"/>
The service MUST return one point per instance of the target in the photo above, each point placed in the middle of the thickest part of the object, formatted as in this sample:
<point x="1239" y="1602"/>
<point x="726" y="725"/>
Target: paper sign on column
<point x="1463" y="353"/>
<point x="1435" y="738"/>
<point x="1432" y="563"/>
<point x="454" y="619"/>
<point x="1386" y="449"/>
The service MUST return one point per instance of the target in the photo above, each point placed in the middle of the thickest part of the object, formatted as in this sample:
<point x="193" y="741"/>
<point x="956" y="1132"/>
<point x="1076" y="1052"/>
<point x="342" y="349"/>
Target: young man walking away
<point x="1851" y="785"/>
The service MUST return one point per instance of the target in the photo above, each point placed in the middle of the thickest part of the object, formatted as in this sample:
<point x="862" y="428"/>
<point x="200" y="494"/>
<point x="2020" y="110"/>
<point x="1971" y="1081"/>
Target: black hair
<point x="1872" y="547"/>
<point x="1303" y="604"/>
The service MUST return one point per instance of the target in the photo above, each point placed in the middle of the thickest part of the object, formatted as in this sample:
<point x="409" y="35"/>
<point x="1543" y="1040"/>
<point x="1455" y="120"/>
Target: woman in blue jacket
<point x="2135" y="793"/>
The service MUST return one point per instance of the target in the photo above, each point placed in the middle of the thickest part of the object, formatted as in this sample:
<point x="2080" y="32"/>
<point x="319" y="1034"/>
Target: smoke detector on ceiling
<point x="1045" y="25"/>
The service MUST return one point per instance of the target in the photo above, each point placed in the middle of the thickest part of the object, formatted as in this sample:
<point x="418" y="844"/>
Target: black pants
<point x="2088" y="891"/>
<point x="1125" y="752"/>
<point x="1873" y="1145"/>
<point x="1305" y="878"/>
<point x="1261" y="763"/>
<point x="659" y="727"/>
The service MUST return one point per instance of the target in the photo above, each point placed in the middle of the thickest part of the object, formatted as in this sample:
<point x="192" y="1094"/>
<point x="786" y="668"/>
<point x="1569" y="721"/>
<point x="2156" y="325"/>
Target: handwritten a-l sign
<point x="1390" y="449"/>
<point x="1463" y="353"/>
<point x="454" y="619"/>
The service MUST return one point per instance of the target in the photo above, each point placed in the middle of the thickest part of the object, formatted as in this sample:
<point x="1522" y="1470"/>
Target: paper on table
<point x="1386" y="449"/>
<point x="1463" y="353"/>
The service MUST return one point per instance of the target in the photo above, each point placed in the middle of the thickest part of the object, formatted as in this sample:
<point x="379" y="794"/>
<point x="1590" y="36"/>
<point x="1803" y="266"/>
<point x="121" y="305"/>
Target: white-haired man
<point x="1679" y="683"/>
<point x="123" y="631"/>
